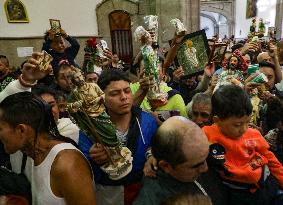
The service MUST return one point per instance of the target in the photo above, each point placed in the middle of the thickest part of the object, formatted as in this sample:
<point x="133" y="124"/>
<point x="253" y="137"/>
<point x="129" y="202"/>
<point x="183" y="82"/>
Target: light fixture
<point x="262" y="5"/>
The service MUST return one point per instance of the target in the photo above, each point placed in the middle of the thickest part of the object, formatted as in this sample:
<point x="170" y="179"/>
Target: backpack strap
<point x="24" y="161"/>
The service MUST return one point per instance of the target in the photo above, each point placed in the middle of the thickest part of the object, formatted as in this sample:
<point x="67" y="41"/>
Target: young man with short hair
<point x="134" y="129"/>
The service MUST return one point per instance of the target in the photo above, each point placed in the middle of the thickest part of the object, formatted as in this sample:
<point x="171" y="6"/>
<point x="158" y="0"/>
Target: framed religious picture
<point x="271" y="32"/>
<point x="251" y="10"/>
<point x="217" y="53"/>
<point x="16" y="11"/>
<point x="193" y="53"/>
<point x="55" y="25"/>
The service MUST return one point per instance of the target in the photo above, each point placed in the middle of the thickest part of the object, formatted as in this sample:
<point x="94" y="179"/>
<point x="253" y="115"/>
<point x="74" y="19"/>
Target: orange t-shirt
<point x="245" y="156"/>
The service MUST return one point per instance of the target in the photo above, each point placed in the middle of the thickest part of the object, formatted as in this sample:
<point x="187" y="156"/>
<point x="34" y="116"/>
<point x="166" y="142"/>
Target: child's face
<point x="233" y="127"/>
<point x="58" y="45"/>
<point x="64" y="79"/>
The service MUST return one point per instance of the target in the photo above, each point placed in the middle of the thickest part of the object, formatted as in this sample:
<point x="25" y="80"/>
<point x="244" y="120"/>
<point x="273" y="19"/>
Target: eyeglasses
<point x="202" y="114"/>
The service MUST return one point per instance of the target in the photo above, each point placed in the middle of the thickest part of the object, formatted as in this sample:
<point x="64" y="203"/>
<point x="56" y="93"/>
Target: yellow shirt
<point x="176" y="102"/>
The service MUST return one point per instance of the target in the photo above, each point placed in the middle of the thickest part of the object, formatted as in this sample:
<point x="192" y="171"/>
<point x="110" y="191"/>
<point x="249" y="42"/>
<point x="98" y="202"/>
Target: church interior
<point x="116" y="20"/>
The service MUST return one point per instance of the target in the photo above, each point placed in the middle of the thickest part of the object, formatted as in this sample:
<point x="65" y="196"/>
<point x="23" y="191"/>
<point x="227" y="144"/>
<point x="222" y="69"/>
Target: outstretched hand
<point x="178" y="74"/>
<point x="272" y="51"/>
<point x="146" y="82"/>
<point x="250" y="47"/>
<point x="31" y="71"/>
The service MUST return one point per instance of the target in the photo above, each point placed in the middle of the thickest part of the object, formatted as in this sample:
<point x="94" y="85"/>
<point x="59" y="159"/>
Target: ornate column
<point x="190" y="14"/>
<point x="278" y="18"/>
<point x="188" y="11"/>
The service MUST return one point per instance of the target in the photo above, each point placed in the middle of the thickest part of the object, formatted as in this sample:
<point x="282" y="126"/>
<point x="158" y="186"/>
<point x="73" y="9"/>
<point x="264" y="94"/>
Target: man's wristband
<point x="26" y="84"/>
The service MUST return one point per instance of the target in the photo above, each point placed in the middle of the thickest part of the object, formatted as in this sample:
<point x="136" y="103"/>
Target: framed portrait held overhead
<point x="16" y="11"/>
<point x="217" y="53"/>
<point x="193" y="53"/>
<point x="55" y="25"/>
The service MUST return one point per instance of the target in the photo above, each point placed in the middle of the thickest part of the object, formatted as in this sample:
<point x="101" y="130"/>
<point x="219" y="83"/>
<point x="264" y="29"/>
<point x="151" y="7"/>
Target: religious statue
<point x="151" y="25"/>
<point x="179" y="26"/>
<point x="253" y="26"/>
<point x="233" y="73"/>
<point x="155" y="95"/>
<point x="255" y="100"/>
<point x="86" y="106"/>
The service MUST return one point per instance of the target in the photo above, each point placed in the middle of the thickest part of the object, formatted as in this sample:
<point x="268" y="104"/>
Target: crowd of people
<point x="217" y="139"/>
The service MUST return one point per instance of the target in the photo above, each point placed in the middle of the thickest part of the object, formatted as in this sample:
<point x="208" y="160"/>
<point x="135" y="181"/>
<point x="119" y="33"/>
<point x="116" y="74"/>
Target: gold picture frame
<point x="16" y="11"/>
<point x="55" y="24"/>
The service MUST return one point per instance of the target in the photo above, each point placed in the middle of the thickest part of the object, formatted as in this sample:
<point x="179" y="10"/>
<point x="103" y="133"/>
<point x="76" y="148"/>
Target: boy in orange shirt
<point x="240" y="154"/>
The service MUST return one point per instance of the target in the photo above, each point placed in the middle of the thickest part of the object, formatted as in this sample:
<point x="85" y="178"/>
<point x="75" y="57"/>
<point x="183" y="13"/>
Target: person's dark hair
<point x="109" y="75"/>
<point x="237" y="46"/>
<point x="60" y="67"/>
<point x="42" y="89"/>
<point x="167" y="146"/>
<point x="266" y="64"/>
<point x="26" y="108"/>
<point x="273" y="114"/>
<point x="230" y="101"/>
<point x="2" y="56"/>
<point x="155" y="45"/>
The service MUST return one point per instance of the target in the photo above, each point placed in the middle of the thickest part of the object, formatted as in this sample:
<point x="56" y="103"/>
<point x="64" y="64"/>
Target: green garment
<point x="176" y="102"/>
<point x="102" y="125"/>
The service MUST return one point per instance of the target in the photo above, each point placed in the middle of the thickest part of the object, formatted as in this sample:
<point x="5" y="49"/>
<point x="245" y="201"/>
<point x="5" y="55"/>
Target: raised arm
<point x="29" y="77"/>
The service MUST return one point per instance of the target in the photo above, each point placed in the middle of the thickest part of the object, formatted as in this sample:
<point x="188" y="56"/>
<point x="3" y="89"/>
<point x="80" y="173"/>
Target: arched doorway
<point x="226" y="14"/>
<point x="214" y="23"/>
<point x="121" y="35"/>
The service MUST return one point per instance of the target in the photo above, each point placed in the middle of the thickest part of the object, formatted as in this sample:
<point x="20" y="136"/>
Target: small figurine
<point x="253" y="26"/>
<point x="86" y="106"/>
<point x="261" y="26"/>
<point x="255" y="100"/>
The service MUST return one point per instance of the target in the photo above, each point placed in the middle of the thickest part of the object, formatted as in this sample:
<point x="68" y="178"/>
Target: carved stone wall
<point x="226" y="8"/>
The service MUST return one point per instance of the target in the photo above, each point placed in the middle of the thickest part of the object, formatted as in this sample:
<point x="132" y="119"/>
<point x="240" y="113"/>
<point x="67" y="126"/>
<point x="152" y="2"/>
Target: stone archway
<point x="216" y="26"/>
<point x="225" y="8"/>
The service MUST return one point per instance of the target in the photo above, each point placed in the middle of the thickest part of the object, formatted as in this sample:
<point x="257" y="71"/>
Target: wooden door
<point x="121" y="35"/>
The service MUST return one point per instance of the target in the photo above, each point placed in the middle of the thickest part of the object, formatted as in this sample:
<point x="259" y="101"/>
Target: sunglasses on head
<point x="202" y="114"/>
